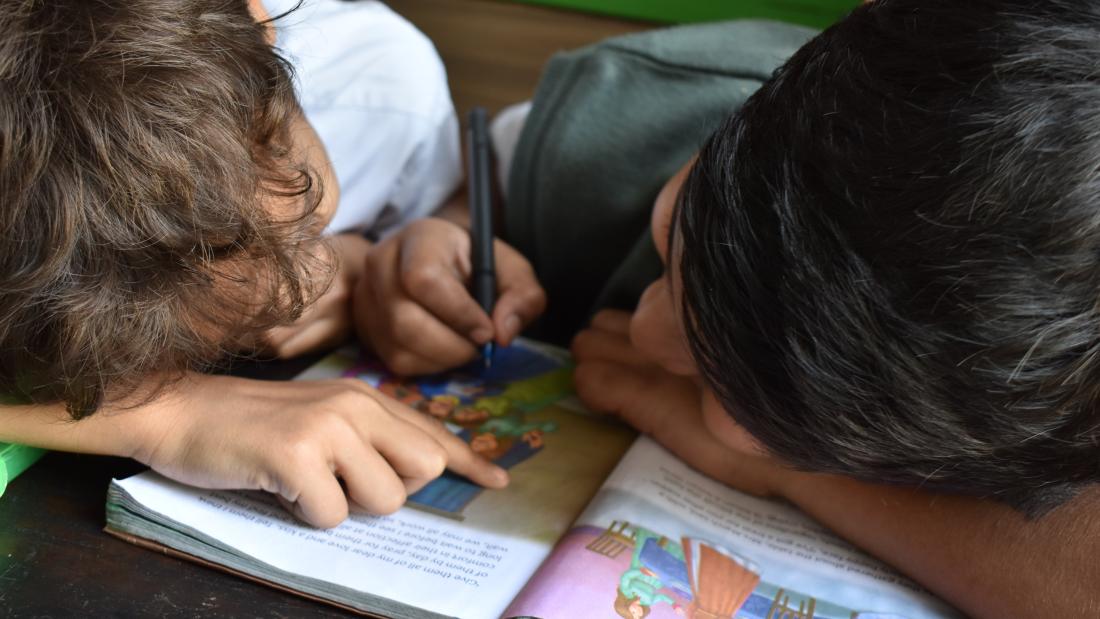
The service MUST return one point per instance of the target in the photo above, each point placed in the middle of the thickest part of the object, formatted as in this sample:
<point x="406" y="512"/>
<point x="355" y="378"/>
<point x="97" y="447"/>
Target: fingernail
<point x="500" y="476"/>
<point x="512" y="325"/>
<point x="481" y="335"/>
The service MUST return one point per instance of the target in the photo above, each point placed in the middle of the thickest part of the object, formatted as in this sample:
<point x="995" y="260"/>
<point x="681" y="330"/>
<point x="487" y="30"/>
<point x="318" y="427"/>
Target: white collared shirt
<point x="376" y="91"/>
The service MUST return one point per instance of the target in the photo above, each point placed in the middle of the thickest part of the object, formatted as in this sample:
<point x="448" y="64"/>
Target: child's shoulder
<point x="749" y="47"/>
<point x="360" y="55"/>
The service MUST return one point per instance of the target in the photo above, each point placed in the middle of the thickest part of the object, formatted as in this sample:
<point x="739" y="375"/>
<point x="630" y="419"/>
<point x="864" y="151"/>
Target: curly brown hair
<point x="142" y="146"/>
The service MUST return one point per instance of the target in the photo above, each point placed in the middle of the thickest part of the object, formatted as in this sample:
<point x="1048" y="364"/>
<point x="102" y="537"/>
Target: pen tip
<point x="487" y="355"/>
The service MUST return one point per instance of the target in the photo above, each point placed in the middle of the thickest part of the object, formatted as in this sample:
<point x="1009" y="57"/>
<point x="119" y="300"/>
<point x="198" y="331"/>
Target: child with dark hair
<point x="880" y="298"/>
<point x="162" y="201"/>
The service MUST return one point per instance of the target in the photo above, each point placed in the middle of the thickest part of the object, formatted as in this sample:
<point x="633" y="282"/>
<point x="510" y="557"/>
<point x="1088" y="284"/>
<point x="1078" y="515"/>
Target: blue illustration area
<point x="474" y="380"/>
<point x="486" y="407"/>
<point x="667" y="567"/>
<point x="451" y="493"/>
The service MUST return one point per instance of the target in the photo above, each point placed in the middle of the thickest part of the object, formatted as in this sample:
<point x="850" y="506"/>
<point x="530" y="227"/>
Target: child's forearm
<point x="981" y="556"/>
<point x="306" y="441"/>
<point x="116" y="431"/>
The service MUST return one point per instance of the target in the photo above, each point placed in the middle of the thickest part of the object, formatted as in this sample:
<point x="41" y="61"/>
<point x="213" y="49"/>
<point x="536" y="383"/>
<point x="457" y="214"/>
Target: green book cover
<point x="14" y="459"/>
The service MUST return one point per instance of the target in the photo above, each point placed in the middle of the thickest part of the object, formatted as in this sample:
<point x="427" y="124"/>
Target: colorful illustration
<point x="635" y="572"/>
<point x="722" y="581"/>
<point x="657" y="572"/>
<point x="486" y="407"/>
<point x="697" y="579"/>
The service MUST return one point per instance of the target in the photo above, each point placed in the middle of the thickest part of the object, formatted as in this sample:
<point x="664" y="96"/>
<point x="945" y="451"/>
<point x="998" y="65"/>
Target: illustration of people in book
<point x="486" y="407"/>
<point x="514" y="365"/>
<point x="657" y="572"/>
<point x="638" y="572"/>
<point x="507" y="441"/>
<point x="438" y="406"/>
<point x="698" y="580"/>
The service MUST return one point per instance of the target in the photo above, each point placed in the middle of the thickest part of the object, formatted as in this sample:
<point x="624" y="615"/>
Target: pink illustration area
<point x="577" y="582"/>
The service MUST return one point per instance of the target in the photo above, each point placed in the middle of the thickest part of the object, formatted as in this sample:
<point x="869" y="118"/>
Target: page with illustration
<point x="456" y="549"/>
<point x="662" y="541"/>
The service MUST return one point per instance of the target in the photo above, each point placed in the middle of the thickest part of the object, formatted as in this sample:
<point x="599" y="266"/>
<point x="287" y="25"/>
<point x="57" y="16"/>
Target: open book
<point x="596" y="523"/>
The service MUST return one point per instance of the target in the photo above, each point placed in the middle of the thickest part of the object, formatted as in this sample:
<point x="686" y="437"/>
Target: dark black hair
<point x="891" y="253"/>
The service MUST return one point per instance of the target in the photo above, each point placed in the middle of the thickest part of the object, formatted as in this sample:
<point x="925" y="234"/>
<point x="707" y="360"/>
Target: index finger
<point x="461" y="458"/>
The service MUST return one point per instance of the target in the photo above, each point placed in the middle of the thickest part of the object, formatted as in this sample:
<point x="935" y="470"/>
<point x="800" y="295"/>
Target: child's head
<point x="629" y="607"/>
<point x="890" y="256"/>
<point x="441" y="406"/>
<point x="155" y="203"/>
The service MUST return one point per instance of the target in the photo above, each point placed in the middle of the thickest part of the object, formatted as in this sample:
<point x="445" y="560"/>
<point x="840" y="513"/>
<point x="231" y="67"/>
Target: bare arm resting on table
<point x="293" y="439"/>
<point x="981" y="556"/>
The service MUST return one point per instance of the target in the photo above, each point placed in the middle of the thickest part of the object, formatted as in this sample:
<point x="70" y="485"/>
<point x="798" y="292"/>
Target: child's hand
<point x="613" y="376"/>
<point x="327" y="321"/>
<point x="300" y="440"/>
<point x="412" y="307"/>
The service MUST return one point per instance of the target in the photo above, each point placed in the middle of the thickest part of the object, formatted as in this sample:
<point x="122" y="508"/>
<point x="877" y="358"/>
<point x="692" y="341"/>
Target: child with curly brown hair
<point x="162" y="200"/>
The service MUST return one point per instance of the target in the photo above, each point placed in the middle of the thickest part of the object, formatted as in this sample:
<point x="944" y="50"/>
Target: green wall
<point x="816" y="13"/>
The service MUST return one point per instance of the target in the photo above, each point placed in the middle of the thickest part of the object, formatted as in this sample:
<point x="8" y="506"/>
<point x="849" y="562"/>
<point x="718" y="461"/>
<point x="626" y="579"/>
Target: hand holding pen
<point x="415" y="304"/>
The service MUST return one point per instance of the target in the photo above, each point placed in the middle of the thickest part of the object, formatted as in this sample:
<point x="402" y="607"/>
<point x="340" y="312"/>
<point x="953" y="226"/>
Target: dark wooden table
<point x="56" y="561"/>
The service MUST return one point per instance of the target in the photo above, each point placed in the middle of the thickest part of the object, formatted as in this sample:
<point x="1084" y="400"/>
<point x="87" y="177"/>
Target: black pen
<point x="483" y="280"/>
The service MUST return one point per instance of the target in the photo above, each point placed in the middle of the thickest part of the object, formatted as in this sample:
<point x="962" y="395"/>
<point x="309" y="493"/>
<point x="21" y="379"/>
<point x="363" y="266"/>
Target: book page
<point x="416" y="558"/>
<point x="457" y="549"/>
<point x="662" y="541"/>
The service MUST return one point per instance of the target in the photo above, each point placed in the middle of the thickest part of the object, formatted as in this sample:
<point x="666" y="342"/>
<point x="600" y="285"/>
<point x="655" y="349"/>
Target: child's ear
<point x="260" y="14"/>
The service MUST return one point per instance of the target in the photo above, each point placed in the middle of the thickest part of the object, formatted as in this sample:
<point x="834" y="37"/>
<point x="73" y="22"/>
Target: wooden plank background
<point x="494" y="50"/>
